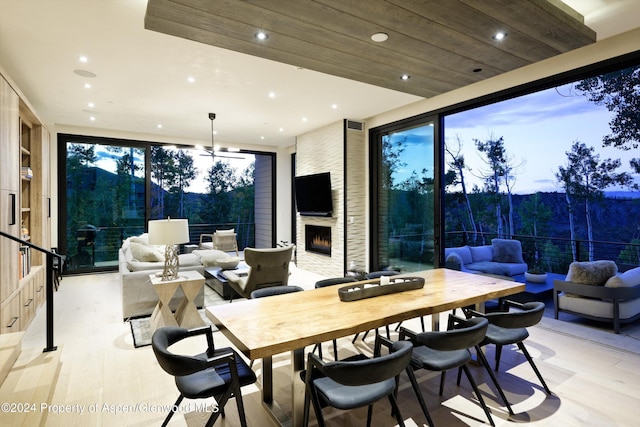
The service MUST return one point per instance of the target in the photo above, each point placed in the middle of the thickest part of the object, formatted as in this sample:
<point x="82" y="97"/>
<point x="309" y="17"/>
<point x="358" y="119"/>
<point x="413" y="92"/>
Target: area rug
<point x="141" y="330"/>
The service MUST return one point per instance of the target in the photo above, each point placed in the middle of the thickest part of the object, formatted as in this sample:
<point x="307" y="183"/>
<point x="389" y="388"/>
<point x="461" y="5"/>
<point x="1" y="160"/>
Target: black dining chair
<point x="353" y="384"/>
<point x="441" y="351"/>
<point x="275" y="290"/>
<point x="322" y="284"/>
<point x="217" y="373"/>
<point x="510" y="327"/>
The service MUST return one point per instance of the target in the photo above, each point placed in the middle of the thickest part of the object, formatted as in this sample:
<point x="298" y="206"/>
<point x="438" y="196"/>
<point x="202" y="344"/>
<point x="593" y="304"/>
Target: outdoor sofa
<point x="502" y="257"/>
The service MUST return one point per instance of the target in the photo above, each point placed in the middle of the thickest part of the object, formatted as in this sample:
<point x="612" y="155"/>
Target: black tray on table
<point x="373" y="288"/>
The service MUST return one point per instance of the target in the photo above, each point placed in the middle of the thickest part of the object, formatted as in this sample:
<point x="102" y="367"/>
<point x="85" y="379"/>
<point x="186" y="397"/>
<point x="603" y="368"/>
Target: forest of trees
<point x="114" y="203"/>
<point x="552" y="225"/>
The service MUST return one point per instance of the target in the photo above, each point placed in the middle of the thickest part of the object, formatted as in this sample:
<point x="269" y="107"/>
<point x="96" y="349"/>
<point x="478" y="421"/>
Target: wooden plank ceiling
<point x="441" y="44"/>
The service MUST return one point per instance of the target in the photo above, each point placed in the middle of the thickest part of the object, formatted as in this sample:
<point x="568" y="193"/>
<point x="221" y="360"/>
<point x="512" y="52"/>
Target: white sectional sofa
<point x="137" y="260"/>
<point x="502" y="257"/>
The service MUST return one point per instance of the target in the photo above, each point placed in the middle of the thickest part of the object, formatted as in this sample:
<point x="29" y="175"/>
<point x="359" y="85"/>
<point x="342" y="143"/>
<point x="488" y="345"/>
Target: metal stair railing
<point x="49" y="286"/>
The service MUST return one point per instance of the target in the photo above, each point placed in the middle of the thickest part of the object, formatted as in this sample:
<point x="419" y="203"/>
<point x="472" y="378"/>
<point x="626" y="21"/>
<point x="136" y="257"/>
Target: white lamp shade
<point x="168" y="231"/>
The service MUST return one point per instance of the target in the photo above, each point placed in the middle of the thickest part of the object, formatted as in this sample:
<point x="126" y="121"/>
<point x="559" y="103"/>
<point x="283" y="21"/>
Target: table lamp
<point x="169" y="232"/>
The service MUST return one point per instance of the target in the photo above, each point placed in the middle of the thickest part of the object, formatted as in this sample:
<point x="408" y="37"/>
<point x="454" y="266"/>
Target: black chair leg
<point x="335" y="350"/>
<point x="395" y="409"/>
<point x="319" y="348"/>
<point x="173" y="411"/>
<point x="477" y="392"/>
<point x="533" y="365"/>
<point x="443" y="375"/>
<point x="498" y="355"/>
<point x="485" y="362"/>
<point x="416" y="390"/>
<point x="369" y="414"/>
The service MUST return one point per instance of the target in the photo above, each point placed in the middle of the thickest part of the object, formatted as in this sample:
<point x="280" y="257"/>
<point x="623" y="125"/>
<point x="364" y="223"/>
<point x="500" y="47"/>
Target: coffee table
<point x="215" y="280"/>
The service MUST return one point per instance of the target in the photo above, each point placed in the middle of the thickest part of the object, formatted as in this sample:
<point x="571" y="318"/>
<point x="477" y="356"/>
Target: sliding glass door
<point x="402" y="197"/>
<point x="110" y="188"/>
<point x="105" y="201"/>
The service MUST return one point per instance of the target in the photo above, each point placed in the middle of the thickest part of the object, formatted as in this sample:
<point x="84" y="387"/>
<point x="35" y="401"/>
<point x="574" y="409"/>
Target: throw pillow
<point x="144" y="253"/>
<point x="507" y="250"/>
<point x="143" y="239"/>
<point x="624" y="280"/>
<point x="454" y="262"/>
<point x="481" y="253"/>
<point x="462" y="251"/>
<point x="591" y="273"/>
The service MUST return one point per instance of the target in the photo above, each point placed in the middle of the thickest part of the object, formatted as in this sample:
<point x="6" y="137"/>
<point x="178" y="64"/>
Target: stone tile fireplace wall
<point x="334" y="148"/>
<point x="323" y="151"/>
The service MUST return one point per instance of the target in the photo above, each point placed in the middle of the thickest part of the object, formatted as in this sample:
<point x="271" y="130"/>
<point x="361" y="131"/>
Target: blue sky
<point x="538" y="130"/>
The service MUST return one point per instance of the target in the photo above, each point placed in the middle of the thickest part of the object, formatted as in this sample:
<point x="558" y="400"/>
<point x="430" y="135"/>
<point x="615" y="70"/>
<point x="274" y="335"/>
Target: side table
<point x="186" y="316"/>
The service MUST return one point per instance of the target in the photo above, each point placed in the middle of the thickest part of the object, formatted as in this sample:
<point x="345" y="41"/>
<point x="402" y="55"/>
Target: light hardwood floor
<point x="116" y="384"/>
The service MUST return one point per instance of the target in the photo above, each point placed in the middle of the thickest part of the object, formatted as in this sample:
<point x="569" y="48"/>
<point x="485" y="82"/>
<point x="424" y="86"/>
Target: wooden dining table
<point x="261" y="328"/>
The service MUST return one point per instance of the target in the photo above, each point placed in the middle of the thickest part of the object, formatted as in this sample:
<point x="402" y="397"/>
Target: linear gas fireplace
<point x="317" y="239"/>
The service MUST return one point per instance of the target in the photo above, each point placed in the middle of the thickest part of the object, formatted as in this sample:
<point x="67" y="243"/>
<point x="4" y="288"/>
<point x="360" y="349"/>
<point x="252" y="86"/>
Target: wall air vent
<point x="353" y="125"/>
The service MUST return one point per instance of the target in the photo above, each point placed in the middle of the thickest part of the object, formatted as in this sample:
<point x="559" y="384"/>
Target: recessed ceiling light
<point x="405" y="77"/>
<point x="334" y="106"/>
<point x="499" y="35"/>
<point x="83" y="59"/>
<point x="272" y="94"/>
<point x="262" y="137"/>
<point x="92" y="118"/>
<point x="281" y="129"/>
<point x="261" y="35"/>
<point x="91" y="105"/>
<point x="84" y="73"/>
<point x="191" y="79"/>
<point x="159" y="126"/>
<point x="87" y="85"/>
<point x="380" y="37"/>
<point x="304" y="119"/>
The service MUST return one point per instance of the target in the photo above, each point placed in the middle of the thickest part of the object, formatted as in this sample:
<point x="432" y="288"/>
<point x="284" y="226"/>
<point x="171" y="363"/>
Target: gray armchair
<point x="267" y="267"/>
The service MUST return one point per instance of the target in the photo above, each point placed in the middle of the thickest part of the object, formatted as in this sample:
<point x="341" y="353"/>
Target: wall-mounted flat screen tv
<point x="313" y="194"/>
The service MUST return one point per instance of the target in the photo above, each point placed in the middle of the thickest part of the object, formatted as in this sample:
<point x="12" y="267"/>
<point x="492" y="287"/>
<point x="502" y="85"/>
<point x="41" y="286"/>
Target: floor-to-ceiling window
<point x="110" y="188"/>
<point x="557" y="169"/>
<point x="104" y="189"/>
<point x="402" y="196"/>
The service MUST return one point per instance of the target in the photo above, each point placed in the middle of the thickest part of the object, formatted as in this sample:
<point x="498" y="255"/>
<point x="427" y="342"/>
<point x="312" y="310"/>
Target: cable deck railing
<point x="556" y="253"/>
